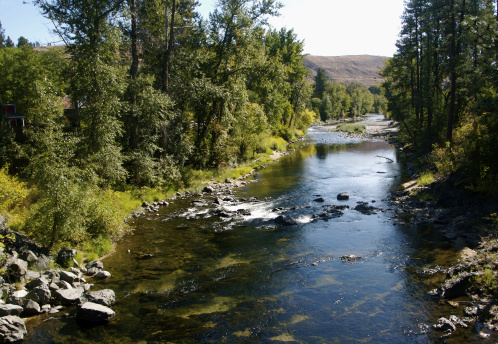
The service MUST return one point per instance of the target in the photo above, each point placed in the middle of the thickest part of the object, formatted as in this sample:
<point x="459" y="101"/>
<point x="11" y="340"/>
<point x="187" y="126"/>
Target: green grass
<point x="426" y="178"/>
<point x="350" y="128"/>
<point x="278" y="144"/>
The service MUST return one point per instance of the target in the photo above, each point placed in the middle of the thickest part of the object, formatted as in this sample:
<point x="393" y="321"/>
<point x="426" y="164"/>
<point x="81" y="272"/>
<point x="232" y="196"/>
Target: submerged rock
<point x="350" y="258"/>
<point x="365" y="209"/>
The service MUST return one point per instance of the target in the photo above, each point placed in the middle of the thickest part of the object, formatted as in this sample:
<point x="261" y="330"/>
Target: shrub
<point x="12" y="191"/>
<point x="351" y="128"/>
<point x="426" y="179"/>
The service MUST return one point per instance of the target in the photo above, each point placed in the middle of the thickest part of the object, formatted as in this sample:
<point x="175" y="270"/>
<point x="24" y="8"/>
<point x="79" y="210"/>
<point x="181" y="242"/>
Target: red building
<point x="14" y="119"/>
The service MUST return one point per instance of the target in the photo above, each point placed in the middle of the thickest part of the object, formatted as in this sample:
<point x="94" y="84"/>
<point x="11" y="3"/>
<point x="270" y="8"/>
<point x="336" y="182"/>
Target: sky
<point x="327" y="27"/>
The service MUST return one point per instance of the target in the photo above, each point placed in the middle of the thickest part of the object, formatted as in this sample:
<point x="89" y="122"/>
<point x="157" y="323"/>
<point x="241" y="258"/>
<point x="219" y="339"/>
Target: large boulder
<point x="43" y="262"/>
<point x="68" y="296"/>
<point x="103" y="274"/>
<point x="97" y="264"/>
<point x="366" y="209"/>
<point x="30" y="308"/>
<point x="285" y="220"/>
<point x="10" y="309"/>
<point x="37" y="283"/>
<point x="66" y="256"/>
<point x="12" y="329"/>
<point x="95" y="313"/>
<point x="40" y="295"/>
<point x="105" y="297"/>
<point x="15" y="269"/>
<point x="456" y="286"/>
<point x="69" y="277"/>
<point x="29" y="257"/>
<point x="343" y="196"/>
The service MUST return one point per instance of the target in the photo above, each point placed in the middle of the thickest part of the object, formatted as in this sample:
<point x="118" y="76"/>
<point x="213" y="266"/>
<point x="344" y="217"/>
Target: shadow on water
<point x="259" y="282"/>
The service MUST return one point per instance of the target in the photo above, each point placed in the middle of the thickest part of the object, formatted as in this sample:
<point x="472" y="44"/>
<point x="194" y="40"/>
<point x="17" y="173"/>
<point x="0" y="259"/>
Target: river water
<point x="251" y="280"/>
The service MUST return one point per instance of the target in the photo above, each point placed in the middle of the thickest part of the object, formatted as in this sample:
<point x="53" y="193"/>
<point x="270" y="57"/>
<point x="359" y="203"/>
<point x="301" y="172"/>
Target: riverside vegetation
<point x="149" y="100"/>
<point x="441" y="86"/>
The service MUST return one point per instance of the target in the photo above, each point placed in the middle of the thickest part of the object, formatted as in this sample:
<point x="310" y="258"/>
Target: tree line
<point x="442" y="85"/>
<point x="143" y="93"/>
<point x="334" y="100"/>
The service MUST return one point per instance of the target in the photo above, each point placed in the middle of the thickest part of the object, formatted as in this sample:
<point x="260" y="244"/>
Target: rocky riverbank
<point x="467" y="295"/>
<point x="30" y="286"/>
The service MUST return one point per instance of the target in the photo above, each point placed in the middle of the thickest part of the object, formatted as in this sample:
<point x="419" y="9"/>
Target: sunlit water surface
<point x="253" y="281"/>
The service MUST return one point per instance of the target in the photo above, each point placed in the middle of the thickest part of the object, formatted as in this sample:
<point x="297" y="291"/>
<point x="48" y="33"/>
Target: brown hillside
<point x="363" y="69"/>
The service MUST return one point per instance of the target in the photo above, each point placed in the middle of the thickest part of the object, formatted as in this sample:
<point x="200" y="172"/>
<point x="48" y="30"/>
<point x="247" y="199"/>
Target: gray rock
<point x="30" y="274"/>
<point x="350" y="258"/>
<point x="92" y="271"/>
<point x="12" y="329"/>
<point x="37" y="283"/>
<point x="365" y="209"/>
<point x="13" y="300"/>
<point x="69" y="277"/>
<point x="445" y="325"/>
<point x="208" y="189"/>
<point x="40" y="295"/>
<point x="77" y="272"/>
<point x="65" y="255"/>
<point x="95" y="313"/>
<point x="10" y="309"/>
<point x="55" y="309"/>
<point x="105" y="297"/>
<point x="319" y="199"/>
<point x="456" y="286"/>
<point x="15" y="269"/>
<point x="29" y="256"/>
<point x="343" y="196"/>
<point x="31" y="308"/>
<point x="52" y="275"/>
<point x="97" y="264"/>
<point x="20" y="293"/>
<point x="53" y="286"/>
<point x="64" y="285"/>
<point x="285" y="220"/>
<point x="68" y="296"/>
<point x="103" y="274"/>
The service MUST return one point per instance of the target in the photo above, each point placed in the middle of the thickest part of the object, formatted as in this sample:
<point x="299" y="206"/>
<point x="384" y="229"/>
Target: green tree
<point x="23" y="42"/>
<point x="97" y="78"/>
<point x="321" y="80"/>
<point x="2" y="36"/>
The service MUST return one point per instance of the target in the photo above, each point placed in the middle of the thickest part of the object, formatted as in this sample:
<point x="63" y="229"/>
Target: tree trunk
<point x="168" y="45"/>
<point x="134" y="50"/>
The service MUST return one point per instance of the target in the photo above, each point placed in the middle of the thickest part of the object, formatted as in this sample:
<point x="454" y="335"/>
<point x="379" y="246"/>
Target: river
<point x="254" y="281"/>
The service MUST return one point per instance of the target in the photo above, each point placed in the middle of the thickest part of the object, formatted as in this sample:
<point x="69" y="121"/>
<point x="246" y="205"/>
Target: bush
<point x="278" y="144"/>
<point x="12" y="191"/>
<point x="426" y="179"/>
<point x="351" y="128"/>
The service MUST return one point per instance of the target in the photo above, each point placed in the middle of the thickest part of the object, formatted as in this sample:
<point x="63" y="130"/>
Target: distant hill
<point x="363" y="69"/>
